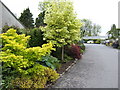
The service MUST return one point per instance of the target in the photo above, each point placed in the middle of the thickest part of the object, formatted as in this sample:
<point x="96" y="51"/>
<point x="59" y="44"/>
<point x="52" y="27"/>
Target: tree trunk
<point x="63" y="53"/>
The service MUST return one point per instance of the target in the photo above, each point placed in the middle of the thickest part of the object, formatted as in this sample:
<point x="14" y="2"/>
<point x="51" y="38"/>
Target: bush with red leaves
<point x="74" y="51"/>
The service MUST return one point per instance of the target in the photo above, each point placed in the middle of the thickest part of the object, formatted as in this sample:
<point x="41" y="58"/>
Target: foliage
<point x="26" y="18"/>
<point x="57" y="53"/>
<point x="50" y="62"/>
<point x="81" y="45"/>
<point x="98" y="41"/>
<point x="96" y="30"/>
<point x="62" y="25"/>
<point x="6" y="27"/>
<point x="0" y="41"/>
<point x="89" y="29"/>
<point x="40" y="20"/>
<point x="19" y="60"/>
<point x="39" y="76"/>
<point x="86" y="28"/>
<point x="74" y="51"/>
<point x="67" y="58"/>
<point x="36" y="38"/>
<point x="114" y="32"/>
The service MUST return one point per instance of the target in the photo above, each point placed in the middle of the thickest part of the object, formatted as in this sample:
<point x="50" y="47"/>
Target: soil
<point x="64" y="66"/>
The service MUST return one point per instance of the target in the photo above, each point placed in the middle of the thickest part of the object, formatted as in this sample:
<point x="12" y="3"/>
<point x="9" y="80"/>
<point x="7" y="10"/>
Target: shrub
<point x="50" y="62"/>
<point x="81" y="45"/>
<point x="98" y="41"/>
<point x="19" y="60"/>
<point x="38" y="78"/>
<point x="6" y="28"/>
<point x="57" y="53"/>
<point x="67" y="58"/>
<point x="36" y="37"/>
<point x="74" y="51"/>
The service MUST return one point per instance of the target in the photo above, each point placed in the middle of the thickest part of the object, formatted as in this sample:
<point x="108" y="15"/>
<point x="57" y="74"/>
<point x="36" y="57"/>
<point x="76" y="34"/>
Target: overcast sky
<point x="102" y="12"/>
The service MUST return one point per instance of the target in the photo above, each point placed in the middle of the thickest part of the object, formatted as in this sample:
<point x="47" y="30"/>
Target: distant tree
<point x="40" y="19"/>
<point x="89" y="29"/>
<point x="26" y="18"/>
<point x="96" y="30"/>
<point x="113" y="32"/>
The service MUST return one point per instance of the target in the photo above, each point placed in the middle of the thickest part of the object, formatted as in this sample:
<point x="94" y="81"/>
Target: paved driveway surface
<point x="97" y="69"/>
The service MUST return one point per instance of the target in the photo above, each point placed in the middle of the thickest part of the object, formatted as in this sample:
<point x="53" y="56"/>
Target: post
<point x="62" y="53"/>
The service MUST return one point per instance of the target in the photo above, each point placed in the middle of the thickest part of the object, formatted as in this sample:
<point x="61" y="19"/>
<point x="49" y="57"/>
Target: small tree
<point x="26" y="18"/>
<point x="62" y="25"/>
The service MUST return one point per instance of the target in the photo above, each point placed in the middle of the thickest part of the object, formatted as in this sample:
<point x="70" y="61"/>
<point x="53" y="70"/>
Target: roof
<point x="11" y="13"/>
<point x="95" y="37"/>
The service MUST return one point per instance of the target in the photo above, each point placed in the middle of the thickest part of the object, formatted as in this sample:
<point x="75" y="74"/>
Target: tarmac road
<point x="97" y="69"/>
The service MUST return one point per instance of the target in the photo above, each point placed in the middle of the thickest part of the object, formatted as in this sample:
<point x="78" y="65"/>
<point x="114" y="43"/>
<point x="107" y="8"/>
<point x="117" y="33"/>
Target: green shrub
<point x="57" y="53"/>
<point x="98" y="41"/>
<point x="67" y="58"/>
<point x="18" y="60"/>
<point x="6" y="28"/>
<point x="50" y="62"/>
<point x="81" y="44"/>
<point x="36" y="37"/>
<point x="38" y="77"/>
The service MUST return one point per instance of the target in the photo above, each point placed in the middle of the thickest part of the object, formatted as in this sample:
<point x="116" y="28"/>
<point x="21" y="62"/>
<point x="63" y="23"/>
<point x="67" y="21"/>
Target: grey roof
<point x="95" y="37"/>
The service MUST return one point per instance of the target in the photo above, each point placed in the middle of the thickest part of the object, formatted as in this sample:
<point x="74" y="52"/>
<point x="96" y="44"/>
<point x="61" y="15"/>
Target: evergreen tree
<point x="40" y="19"/>
<point x="26" y="18"/>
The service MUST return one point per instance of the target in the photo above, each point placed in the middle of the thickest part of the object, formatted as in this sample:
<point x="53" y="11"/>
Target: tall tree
<point x="113" y="32"/>
<point x="96" y="30"/>
<point x="62" y="25"/>
<point x="40" y="19"/>
<point x="89" y="29"/>
<point x="26" y="18"/>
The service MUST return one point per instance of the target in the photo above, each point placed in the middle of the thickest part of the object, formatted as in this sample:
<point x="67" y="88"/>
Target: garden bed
<point x="64" y="68"/>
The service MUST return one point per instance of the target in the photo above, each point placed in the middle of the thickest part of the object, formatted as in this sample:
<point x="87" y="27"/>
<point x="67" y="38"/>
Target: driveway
<point x="97" y="69"/>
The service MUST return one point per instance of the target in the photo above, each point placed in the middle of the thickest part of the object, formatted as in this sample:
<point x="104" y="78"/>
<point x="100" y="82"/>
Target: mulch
<point x="64" y="66"/>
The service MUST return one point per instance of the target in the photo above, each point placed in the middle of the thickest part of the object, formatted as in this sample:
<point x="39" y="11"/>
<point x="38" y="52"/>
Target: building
<point x="8" y="18"/>
<point x="96" y="37"/>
